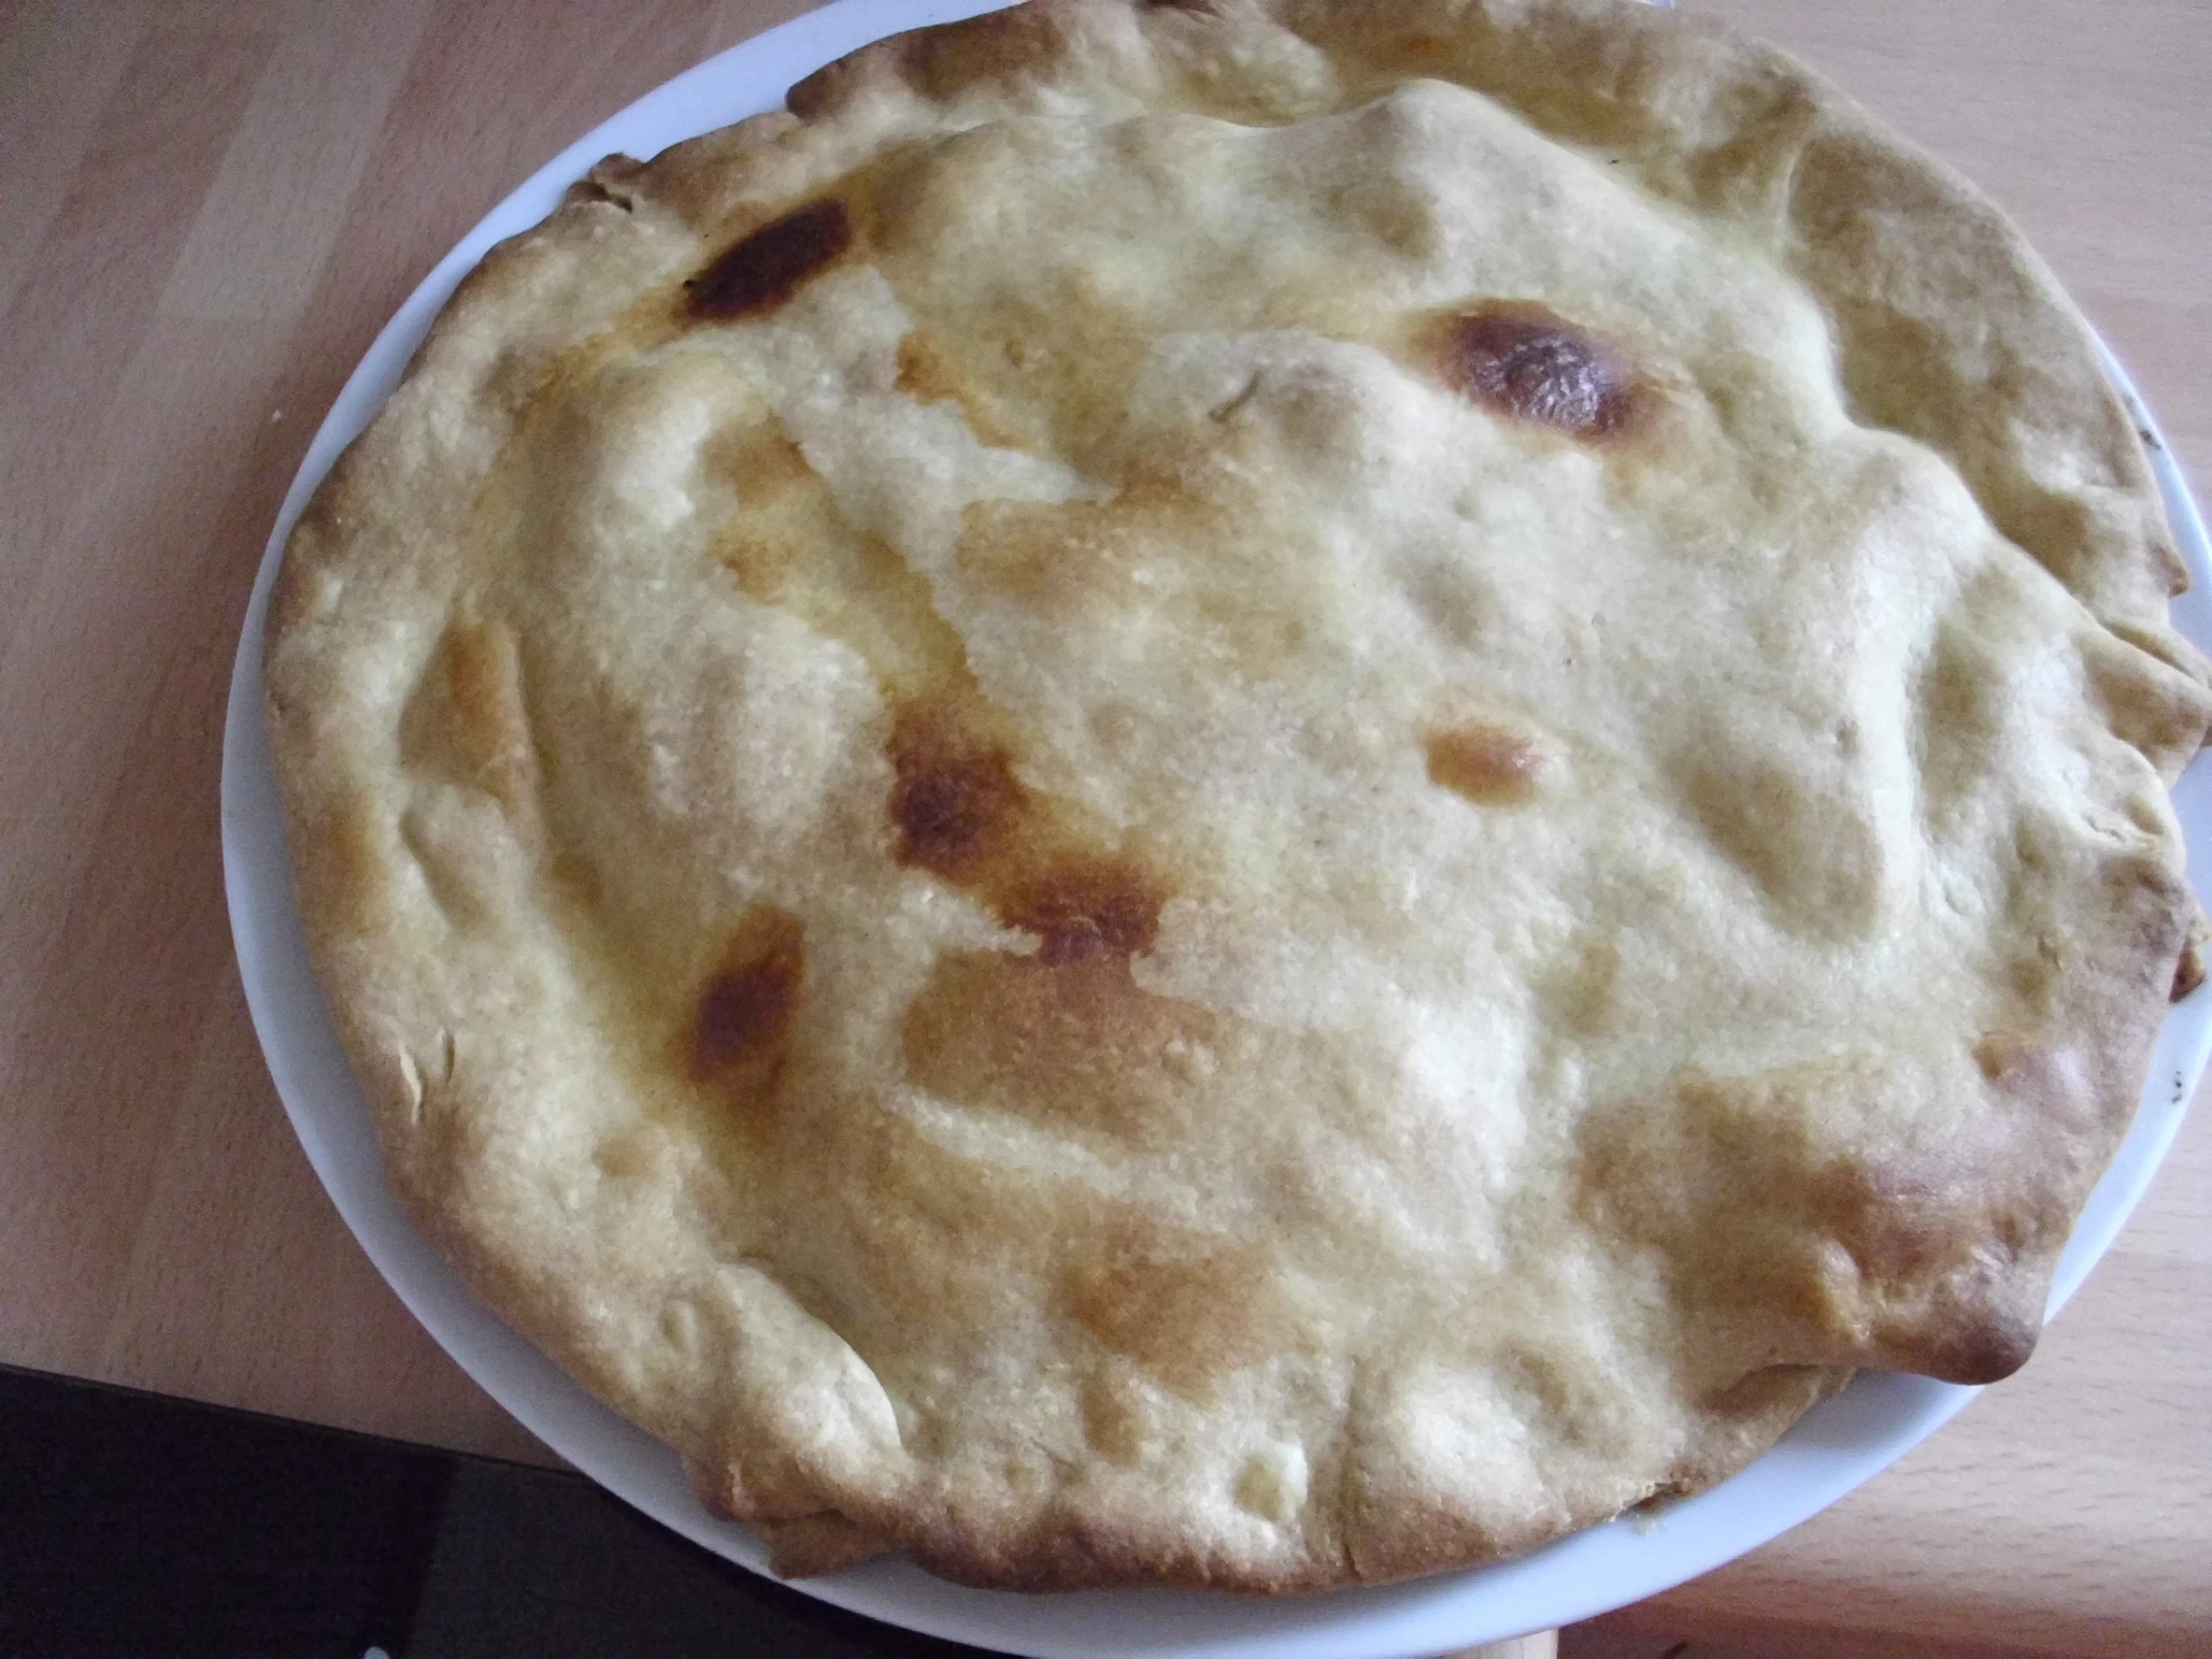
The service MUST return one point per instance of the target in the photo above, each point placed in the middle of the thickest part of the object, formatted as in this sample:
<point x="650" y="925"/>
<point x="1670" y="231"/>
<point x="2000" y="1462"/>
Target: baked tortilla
<point x="1247" y="792"/>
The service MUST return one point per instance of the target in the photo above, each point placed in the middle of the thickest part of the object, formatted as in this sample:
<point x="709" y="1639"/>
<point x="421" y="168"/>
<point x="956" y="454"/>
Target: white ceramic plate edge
<point x="1834" y="1449"/>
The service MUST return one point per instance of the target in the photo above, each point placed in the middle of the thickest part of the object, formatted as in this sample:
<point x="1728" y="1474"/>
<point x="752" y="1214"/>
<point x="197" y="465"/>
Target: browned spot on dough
<point x="759" y="271"/>
<point x="344" y="861"/>
<point x="484" y="671"/>
<point x="955" y="799"/>
<point x="467" y="722"/>
<point x="1584" y="993"/>
<point x="1491" y="765"/>
<point x="614" y="181"/>
<point x="959" y="813"/>
<point x="1115" y="1421"/>
<point x="2046" y="1077"/>
<point x="1190" y="1318"/>
<point x="2188" y="973"/>
<point x="640" y="1153"/>
<point x="1086" y="909"/>
<point x="1058" y="556"/>
<point x="766" y="466"/>
<point x="945" y="1249"/>
<point x="576" y="877"/>
<point x="1527" y="361"/>
<point x="1991" y="1348"/>
<point x="1079" y="1046"/>
<point x="781" y="531"/>
<point x="929" y="374"/>
<point x="745" y="1010"/>
<point x="789" y="545"/>
<point x="1062" y="1034"/>
<point x="766" y="564"/>
<point x="925" y="372"/>
<point x="2005" y="1054"/>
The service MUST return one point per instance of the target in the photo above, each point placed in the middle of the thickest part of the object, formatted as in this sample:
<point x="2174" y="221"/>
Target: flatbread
<point x="1247" y="792"/>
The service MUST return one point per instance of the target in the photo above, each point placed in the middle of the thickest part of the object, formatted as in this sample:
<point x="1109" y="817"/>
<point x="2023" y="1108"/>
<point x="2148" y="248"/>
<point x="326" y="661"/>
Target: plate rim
<point x="1841" y="1443"/>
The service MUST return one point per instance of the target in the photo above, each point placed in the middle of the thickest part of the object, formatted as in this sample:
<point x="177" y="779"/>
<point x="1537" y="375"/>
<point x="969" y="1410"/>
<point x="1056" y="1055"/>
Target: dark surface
<point x="136" y="1525"/>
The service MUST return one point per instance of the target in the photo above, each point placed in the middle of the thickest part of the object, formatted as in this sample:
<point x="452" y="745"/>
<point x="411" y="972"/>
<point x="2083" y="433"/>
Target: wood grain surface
<point x="206" y="210"/>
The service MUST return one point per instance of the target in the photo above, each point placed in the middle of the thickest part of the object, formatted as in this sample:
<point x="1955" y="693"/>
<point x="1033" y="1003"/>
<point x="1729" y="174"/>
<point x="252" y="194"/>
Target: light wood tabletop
<point x="206" y="210"/>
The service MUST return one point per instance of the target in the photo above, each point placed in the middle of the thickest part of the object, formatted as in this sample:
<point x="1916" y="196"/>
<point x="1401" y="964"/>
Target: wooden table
<point x="206" y="210"/>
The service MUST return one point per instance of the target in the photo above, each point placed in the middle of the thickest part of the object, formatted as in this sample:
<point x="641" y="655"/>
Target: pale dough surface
<point x="1247" y="792"/>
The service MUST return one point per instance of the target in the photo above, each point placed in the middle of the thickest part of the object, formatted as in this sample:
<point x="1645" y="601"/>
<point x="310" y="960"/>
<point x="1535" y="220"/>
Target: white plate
<point x="1835" y="1448"/>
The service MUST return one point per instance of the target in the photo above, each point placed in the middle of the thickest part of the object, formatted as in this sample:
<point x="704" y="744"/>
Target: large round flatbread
<point x="1247" y="792"/>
